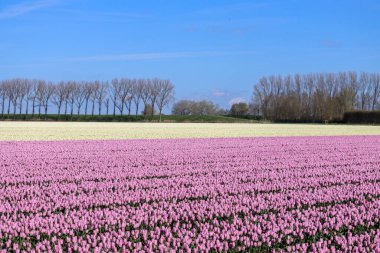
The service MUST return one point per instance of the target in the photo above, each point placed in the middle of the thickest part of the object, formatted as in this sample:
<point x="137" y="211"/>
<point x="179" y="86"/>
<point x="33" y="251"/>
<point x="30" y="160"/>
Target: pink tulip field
<point x="253" y="194"/>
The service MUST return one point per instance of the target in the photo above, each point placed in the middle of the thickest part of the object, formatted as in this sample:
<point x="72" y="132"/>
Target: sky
<point x="210" y="49"/>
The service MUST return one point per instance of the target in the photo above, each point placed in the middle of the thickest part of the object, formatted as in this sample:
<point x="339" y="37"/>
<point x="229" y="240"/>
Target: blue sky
<point x="214" y="49"/>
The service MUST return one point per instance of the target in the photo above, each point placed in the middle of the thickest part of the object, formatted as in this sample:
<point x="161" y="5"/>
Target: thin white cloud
<point x="25" y="7"/>
<point x="228" y="9"/>
<point x="26" y="65"/>
<point x="101" y="14"/>
<point x="236" y="101"/>
<point x="328" y="43"/>
<point x="219" y="93"/>
<point x="158" y="56"/>
<point x="131" y="57"/>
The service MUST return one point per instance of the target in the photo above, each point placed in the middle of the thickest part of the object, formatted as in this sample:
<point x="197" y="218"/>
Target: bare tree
<point x="16" y="91"/>
<point x="258" y="98"/>
<point x="41" y="90"/>
<point x="3" y="95"/>
<point x="145" y="93"/>
<point x="124" y="89"/>
<point x="165" y="95"/>
<point x="94" y="95"/>
<point x="129" y="94"/>
<point x="87" y="95"/>
<point x="314" y="97"/>
<point x="154" y="89"/>
<point x="67" y="97"/>
<point x="375" y="81"/>
<point x="353" y="88"/>
<point x="115" y="90"/>
<point x="59" y="96"/>
<point x="364" y="91"/>
<point x="49" y="91"/>
<point x="9" y="94"/>
<point x="72" y="89"/>
<point x="80" y="95"/>
<point x="182" y="107"/>
<point x="107" y="104"/>
<point x="22" y="86"/>
<point x="203" y="107"/>
<point x="137" y="93"/>
<point x="35" y="95"/>
<point x="29" y="92"/>
<point x="102" y="93"/>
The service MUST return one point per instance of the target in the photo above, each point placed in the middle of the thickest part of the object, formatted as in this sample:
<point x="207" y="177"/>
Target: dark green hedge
<point x="248" y="117"/>
<point x="126" y="118"/>
<point x="367" y="117"/>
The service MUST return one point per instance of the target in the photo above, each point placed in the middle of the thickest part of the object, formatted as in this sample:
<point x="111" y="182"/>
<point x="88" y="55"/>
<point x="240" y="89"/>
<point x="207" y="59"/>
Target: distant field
<point x="113" y="130"/>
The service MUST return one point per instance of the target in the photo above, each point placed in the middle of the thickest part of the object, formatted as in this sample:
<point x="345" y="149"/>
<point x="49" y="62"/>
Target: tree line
<point x="120" y="96"/>
<point x="315" y="97"/>
<point x="202" y="108"/>
<point x="206" y="107"/>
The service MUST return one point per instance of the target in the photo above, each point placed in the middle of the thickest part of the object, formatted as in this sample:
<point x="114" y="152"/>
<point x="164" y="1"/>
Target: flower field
<point x="15" y="131"/>
<point x="282" y="194"/>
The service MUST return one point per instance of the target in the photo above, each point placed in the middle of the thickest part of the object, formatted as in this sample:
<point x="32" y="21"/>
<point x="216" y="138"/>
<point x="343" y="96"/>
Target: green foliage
<point x="239" y="109"/>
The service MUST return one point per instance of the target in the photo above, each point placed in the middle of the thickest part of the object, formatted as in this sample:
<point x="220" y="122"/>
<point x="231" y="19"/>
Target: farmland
<point x="220" y="194"/>
<point x="14" y="131"/>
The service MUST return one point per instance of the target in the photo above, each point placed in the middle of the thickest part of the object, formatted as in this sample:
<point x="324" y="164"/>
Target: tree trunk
<point x="33" y="106"/>
<point x="71" y="110"/>
<point x="46" y="107"/>
<point x="122" y="109"/>
<point x="14" y="110"/>
<point x="93" y="110"/>
<point x="374" y="101"/>
<point x="27" y="107"/>
<point x="9" y="107"/>
<point x="59" y="111"/>
<point x="20" y="106"/>
<point x="65" y="108"/>
<point x="2" y="107"/>
<point x="137" y="109"/>
<point x="85" y="108"/>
